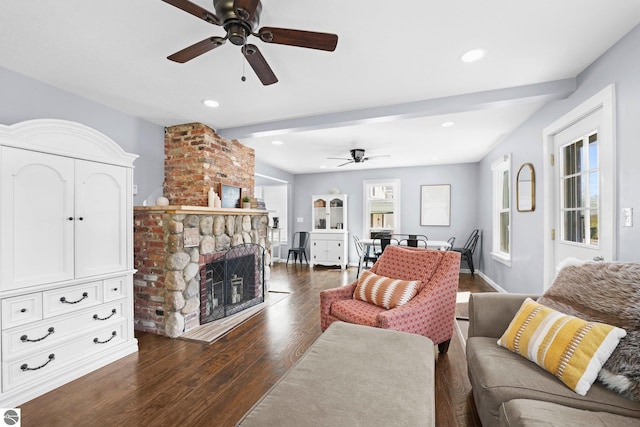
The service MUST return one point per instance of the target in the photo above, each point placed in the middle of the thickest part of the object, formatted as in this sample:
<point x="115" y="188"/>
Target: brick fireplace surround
<point x="172" y="243"/>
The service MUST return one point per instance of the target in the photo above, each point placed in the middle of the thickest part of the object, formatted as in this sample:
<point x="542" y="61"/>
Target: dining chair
<point x="299" y="247"/>
<point x="469" y="249"/>
<point x="451" y="241"/>
<point x="367" y="258"/>
<point x="412" y="240"/>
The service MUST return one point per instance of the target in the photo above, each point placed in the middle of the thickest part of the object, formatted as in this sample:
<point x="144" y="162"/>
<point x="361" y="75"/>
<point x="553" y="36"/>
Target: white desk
<point x="366" y="244"/>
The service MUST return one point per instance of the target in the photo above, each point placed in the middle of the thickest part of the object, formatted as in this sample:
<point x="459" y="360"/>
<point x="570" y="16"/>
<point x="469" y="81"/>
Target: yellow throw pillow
<point x="383" y="291"/>
<point x="570" y="348"/>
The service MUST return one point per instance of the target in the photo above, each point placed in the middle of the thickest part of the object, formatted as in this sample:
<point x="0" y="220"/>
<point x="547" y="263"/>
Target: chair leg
<point x="443" y="347"/>
<point x="470" y="262"/>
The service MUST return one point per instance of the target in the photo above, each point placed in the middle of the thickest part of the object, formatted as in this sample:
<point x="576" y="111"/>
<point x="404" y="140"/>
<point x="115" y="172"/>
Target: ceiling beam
<point x="539" y="92"/>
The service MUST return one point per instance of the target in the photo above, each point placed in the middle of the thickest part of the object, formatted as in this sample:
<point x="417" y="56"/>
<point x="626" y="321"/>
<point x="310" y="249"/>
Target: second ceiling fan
<point x="240" y="19"/>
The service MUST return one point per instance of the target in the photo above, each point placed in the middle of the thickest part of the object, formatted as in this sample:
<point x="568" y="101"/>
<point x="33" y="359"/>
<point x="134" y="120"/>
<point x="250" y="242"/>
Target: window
<point x="275" y="199"/>
<point x="381" y="206"/>
<point x="501" y="170"/>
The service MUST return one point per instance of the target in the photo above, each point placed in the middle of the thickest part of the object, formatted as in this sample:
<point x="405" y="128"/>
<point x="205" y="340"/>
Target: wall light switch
<point x="627" y="217"/>
<point x="300" y="219"/>
<point x="135" y="189"/>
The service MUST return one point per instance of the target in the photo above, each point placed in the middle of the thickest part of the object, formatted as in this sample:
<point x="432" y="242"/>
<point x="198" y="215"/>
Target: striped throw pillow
<point x="570" y="348"/>
<point x="383" y="291"/>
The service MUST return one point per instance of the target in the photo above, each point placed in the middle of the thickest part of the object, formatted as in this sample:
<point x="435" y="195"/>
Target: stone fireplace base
<point x="172" y="244"/>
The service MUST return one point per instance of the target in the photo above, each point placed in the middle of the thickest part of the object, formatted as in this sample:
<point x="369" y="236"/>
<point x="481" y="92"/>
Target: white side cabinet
<point x="66" y="255"/>
<point x="329" y="237"/>
<point x="329" y="248"/>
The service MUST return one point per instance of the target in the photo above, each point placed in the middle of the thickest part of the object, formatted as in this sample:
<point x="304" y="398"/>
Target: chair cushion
<point x="408" y="263"/>
<point x="356" y="311"/>
<point x="570" y="348"/>
<point x="384" y="291"/>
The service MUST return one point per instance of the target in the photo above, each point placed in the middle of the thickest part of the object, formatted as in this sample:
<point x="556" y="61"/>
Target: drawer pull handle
<point x="97" y="341"/>
<point x="96" y="317"/>
<point x="23" y="310"/>
<point x="25" y="338"/>
<point x="26" y="367"/>
<point x="64" y="299"/>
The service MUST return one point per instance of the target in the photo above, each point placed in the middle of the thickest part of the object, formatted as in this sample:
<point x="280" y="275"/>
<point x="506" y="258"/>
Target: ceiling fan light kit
<point x="240" y="19"/>
<point x="357" y="156"/>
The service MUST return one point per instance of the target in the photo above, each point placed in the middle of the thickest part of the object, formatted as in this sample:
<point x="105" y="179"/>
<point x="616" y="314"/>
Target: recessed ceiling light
<point x="473" y="55"/>
<point x="447" y="124"/>
<point x="277" y="142"/>
<point x="211" y="103"/>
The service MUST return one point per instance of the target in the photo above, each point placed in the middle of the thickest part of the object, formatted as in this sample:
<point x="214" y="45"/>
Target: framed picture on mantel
<point x="230" y="196"/>
<point x="435" y="205"/>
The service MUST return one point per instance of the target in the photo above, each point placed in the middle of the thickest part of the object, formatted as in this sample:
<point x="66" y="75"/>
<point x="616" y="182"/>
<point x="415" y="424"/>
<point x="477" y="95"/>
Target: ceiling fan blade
<point x="195" y="10"/>
<point x="259" y="64"/>
<point x="245" y="9"/>
<point x="350" y="161"/>
<point x="337" y="158"/>
<point x="308" y="39"/>
<point x="204" y="46"/>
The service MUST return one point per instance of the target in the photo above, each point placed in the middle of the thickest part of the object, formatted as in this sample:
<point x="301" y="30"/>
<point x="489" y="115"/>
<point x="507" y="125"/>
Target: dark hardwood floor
<point x="174" y="382"/>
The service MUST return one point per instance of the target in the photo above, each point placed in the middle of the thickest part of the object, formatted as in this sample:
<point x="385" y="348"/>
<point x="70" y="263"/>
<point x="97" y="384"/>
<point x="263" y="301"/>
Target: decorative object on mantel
<point x="230" y="196"/>
<point x="162" y="201"/>
<point x="276" y="222"/>
<point x="214" y="199"/>
<point x="246" y="202"/>
<point x="526" y="188"/>
<point x="435" y="205"/>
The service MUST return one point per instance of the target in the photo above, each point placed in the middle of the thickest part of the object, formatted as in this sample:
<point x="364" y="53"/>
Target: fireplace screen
<point x="232" y="283"/>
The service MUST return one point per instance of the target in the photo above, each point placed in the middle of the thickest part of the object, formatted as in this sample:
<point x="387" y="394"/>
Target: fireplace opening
<point x="232" y="283"/>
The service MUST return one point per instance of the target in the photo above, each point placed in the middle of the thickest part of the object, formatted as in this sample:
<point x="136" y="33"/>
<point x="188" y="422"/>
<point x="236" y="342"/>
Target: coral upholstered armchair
<point x="431" y="312"/>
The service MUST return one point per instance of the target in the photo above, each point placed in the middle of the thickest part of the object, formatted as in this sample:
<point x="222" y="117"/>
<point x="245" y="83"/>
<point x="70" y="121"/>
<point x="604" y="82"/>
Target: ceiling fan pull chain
<point x="243" y="78"/>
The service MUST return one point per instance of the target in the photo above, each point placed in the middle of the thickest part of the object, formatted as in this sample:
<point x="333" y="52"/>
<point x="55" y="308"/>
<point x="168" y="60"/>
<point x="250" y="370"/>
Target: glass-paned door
<point x="579" y="197"/>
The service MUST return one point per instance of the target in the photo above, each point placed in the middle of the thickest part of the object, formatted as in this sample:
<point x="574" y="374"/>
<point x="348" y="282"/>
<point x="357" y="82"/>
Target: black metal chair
<point x="469" y="248"/>
<point x="299" y="247"/>
<point x="451" y="241"/>
<point x="412" y="240"/>
<point x="379" y="244"/>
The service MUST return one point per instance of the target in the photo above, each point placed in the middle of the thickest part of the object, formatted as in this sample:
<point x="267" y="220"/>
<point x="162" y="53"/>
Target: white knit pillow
<point x="384" y="291"/>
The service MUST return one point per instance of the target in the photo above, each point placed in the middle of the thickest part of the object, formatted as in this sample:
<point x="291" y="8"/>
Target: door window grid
<point x="580" y="192"/>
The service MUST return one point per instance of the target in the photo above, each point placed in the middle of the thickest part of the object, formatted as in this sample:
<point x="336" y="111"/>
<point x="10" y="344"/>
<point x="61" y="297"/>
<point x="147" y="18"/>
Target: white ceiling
<point x="393" y="79"/>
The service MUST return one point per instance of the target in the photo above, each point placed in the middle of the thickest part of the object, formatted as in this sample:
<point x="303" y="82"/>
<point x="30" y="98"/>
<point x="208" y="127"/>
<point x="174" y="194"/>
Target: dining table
<point x="367" y="244"/>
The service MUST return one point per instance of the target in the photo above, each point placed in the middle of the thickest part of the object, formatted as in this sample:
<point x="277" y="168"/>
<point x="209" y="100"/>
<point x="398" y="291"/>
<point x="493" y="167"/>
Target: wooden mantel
<point x="200" y="210"/>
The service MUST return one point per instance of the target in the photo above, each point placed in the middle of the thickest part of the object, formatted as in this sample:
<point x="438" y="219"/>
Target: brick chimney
<point x="197" y="158"/>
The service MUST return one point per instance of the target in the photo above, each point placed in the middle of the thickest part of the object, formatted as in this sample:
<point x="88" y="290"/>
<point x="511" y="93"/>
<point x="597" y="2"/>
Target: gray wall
<point x="24" y="98"/>
<point x="462" y="178"/>
<point x="619" y="65"/>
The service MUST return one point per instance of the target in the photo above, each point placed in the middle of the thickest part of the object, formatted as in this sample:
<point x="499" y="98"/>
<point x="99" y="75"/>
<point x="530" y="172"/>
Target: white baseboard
<point x="491" y="283"/>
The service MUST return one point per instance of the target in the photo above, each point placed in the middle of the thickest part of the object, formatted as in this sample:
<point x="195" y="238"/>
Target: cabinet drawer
<point x="20" y="310"/>
<point x="71" y="298"/>
<point x="51" y="362"/>
<point x="114" y="288"/>
<point x="47" y="333"/>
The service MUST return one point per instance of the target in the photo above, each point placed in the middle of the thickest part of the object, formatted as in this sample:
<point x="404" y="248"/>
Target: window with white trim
<point x="501" y="171"/>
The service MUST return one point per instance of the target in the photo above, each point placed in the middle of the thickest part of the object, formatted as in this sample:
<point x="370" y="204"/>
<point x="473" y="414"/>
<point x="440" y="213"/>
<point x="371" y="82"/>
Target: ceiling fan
<point x="240" y="18"/>
<point x="357" y="156"/>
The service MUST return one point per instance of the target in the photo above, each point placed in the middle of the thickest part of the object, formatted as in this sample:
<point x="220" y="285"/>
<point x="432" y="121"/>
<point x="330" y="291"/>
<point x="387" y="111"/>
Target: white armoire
<point x="66" y="255"/>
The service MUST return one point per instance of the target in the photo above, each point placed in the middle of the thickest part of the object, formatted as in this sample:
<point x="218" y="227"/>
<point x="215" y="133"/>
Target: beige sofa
<point x="509" y="390"/>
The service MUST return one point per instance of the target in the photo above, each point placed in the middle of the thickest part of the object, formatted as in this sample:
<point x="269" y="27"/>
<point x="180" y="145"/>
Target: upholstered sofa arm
<point x="328" y="296"/>
<point x="491" y="312"/>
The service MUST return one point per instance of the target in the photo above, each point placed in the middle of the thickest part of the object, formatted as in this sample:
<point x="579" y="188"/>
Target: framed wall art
<point x="435" y="205"/>
<point x="230" y="196"/>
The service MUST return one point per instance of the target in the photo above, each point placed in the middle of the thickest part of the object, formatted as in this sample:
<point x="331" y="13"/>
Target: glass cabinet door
<point x="336" y="213"/>
<point x="320" y="214"/>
